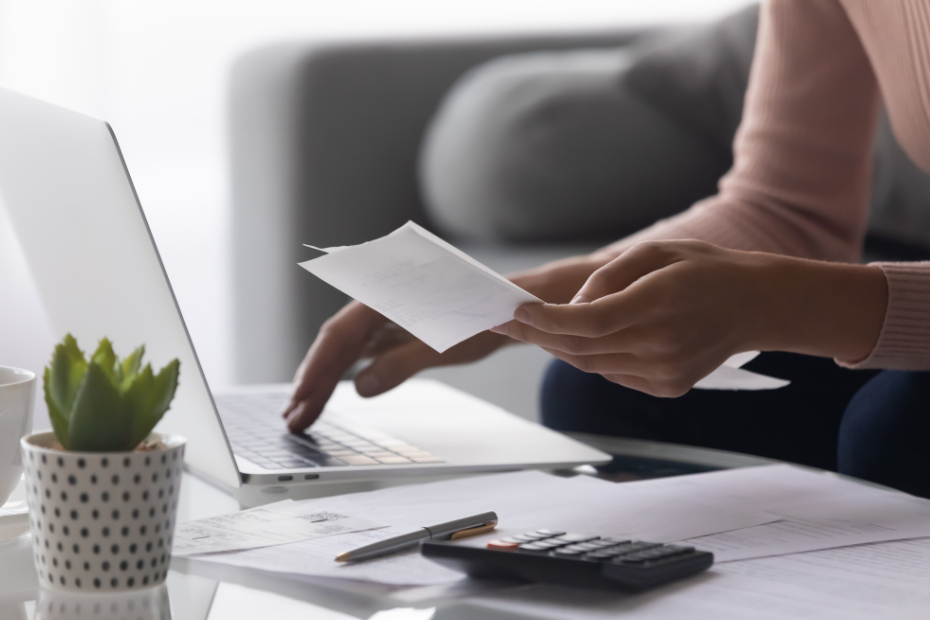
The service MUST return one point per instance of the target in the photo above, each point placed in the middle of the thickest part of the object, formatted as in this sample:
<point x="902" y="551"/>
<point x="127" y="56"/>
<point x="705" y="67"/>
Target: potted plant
<point x="102" y="488"/>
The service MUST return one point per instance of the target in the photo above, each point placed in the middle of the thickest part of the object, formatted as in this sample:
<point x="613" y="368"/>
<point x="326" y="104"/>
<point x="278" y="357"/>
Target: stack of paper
<point x="789" y="542"/>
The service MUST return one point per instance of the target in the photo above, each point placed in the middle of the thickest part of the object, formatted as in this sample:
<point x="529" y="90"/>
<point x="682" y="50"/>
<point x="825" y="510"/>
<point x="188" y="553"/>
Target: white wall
<point x="157" y="71"/>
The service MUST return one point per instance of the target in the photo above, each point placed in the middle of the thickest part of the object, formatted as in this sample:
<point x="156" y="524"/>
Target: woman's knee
<point x="884" y="434"/>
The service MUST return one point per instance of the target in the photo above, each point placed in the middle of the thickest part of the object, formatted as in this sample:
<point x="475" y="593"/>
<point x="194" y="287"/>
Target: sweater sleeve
<point x="801" y="175"/>
<point x="802" y="167"/>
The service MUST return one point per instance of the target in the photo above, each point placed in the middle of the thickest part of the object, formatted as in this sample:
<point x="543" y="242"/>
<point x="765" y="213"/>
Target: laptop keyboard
<point x="257" y="433"/>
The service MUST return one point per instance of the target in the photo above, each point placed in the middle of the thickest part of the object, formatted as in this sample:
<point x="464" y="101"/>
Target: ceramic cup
<point x="17" y="400"/>
<point x="102" y="521"/>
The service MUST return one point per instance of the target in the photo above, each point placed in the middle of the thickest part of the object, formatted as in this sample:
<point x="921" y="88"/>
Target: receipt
<point x="274" y="524"/>
<point x="427" y="286"/>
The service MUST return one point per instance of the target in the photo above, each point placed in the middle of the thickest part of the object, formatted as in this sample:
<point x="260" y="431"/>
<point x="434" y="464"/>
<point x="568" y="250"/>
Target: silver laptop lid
<point x="69" y="197"/>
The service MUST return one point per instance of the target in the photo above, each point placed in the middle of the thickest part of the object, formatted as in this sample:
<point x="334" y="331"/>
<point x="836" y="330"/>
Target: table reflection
<point x="149" y="604"/>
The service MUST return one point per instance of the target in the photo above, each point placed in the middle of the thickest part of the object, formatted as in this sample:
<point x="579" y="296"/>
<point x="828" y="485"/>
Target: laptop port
<point x="285" y="478"/>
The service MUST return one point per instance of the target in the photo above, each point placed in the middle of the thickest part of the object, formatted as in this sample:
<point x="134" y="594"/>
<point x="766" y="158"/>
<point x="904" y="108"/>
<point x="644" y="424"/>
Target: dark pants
<point x="868" y="424"/>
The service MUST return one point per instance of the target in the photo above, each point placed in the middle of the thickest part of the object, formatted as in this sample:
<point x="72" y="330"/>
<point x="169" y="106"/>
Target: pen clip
<point x="473" y="531"/>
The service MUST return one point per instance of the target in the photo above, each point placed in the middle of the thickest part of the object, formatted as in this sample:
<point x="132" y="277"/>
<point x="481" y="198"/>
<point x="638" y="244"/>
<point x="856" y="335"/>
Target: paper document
<point x="443" y="296"/>
<point x="815" y="510"/>
<point x="433" y="290"/>
<point x="887" y="580"/>
<point x="274" y="524"/>
<point x="524" y="501"/>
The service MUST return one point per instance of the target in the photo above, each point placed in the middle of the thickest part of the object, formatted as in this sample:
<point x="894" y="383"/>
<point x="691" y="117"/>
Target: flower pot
<point x="102" y="521"/>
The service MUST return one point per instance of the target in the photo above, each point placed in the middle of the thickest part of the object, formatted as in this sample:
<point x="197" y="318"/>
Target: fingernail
<point x="523" y="315"/>
<point x="579" y="299"/>
<point x="499" y="329"/>
<point x="368" y="385"/>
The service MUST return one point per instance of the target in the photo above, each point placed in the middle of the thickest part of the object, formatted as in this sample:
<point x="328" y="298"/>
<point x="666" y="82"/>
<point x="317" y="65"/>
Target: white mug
<point x="17" y="400"/>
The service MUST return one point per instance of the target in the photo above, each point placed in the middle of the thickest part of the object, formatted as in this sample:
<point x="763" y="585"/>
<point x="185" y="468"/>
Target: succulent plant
<point x="105" y="404"/>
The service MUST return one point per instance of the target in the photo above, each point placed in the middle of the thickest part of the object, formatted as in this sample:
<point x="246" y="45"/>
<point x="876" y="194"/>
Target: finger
<point x="338" y="345"/>
<point x="394" y="367"/>
<point x="591" y="320"/>
<point x="626" y="340"/>
<point x="618" y="274"/>
<point x="611" y="364"/>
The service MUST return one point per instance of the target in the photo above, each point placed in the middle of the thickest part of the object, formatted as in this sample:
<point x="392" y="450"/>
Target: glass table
<point x="194" y="591"/>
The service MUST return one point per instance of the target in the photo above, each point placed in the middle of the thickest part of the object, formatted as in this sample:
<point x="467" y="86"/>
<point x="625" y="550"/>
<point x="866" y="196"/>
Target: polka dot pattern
<point x="102" y="522"/>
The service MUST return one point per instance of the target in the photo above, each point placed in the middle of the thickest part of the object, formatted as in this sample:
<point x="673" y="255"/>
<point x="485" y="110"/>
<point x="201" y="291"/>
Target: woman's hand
<point x="665" y="314"/>
<point x="358" y="332"/>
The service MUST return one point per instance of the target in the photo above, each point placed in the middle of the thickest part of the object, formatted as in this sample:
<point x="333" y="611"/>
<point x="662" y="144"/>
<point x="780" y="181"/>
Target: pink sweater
<point x="802" y="168"/>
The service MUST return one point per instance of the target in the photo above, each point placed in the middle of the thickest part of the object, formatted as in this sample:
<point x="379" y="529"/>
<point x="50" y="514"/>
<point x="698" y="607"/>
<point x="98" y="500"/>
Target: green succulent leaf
<point x="130" y="368"/>
<point x="106" y="359"/>
<point x="98" y="421"/>
<point x="59" y="418"/>
<point x="149" y="397"/>
<point x="62" y="380"/>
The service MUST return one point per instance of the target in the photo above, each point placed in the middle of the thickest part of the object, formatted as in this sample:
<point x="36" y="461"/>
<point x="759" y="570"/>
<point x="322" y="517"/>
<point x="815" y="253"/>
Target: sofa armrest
<point x="324" y="142"/>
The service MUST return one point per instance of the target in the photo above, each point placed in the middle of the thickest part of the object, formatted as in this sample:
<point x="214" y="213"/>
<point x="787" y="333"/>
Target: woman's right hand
<point x="357" y="332"/>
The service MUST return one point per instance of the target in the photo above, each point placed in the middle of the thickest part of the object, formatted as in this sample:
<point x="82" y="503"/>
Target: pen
<point x="451" y="530"/>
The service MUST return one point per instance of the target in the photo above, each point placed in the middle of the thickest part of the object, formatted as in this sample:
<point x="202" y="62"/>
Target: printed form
<point x="274" y="524"/>
<point x="443" y="296"/>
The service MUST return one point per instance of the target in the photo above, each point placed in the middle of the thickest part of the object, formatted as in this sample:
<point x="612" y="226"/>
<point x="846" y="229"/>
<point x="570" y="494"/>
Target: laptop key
<point x="393" y="460"/>
<point x="358" y="460"/>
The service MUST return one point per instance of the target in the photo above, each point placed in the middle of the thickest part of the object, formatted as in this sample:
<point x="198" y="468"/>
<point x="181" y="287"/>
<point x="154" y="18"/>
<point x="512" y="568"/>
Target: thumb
<point x="394" y="367"/>
<point x="621" y="272"/>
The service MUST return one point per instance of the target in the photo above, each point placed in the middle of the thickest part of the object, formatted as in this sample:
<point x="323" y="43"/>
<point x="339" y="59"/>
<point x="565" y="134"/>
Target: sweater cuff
<point x="904" y="342"/>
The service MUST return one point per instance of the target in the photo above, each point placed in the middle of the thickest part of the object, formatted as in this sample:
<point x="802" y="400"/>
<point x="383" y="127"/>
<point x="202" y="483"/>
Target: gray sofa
<point x="520" y="150"/>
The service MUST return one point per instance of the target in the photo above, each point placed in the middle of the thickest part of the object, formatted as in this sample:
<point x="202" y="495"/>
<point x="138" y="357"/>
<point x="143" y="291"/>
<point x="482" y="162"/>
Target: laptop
<point x="69" y="196"/>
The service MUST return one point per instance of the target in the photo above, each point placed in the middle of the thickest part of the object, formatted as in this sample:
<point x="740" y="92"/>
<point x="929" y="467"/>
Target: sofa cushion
<point x="698" y="77"/>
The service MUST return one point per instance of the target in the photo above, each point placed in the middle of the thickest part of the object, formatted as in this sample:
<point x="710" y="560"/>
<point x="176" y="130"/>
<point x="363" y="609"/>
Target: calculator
<point x="577" y="560"/>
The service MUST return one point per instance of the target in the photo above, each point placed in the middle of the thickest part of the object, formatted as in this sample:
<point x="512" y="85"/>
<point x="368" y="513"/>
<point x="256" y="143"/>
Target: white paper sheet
<point x="443" y="296"/>
<point x="887" y="580"/>
<point x="274" y="524"/>
<point x="524" y="501"/>
<point x="436" y="292"/>
<point x="817" y="510"/>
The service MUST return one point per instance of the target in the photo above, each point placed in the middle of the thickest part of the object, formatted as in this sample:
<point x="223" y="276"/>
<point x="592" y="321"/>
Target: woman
<point x="767" y="264"/>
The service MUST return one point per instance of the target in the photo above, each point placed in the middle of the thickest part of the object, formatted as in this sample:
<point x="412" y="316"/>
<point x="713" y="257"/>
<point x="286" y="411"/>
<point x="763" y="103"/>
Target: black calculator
<point x="577" y="560"/>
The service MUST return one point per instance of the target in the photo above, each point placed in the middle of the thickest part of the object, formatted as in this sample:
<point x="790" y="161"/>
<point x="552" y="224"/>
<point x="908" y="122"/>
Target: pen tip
<point x="343" y="557"/>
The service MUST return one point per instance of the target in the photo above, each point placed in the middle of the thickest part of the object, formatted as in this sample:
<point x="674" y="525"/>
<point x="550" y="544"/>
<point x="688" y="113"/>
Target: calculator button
<point x="576" y="538"/>
<point x="524" y="537"/>
<point x="633" y="547"/>
<point x="588" y="546"/>
<point x="534" y="547"/>
<point x="549" y="533"/>
<point x="576" y="548"/>
<point x="513" y="540"/>
<point x="500" y="545"/>
<point x="615" y="541"/>
<point x="568" y="551"/>
<point x="600" y="544"/>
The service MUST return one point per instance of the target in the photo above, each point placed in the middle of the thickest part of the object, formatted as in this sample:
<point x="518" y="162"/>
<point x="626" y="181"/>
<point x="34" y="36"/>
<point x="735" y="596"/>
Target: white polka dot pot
<point x="102" y="521"/>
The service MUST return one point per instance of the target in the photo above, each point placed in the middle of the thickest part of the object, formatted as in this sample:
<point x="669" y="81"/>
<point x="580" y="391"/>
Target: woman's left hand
<point x="665" y="314"/>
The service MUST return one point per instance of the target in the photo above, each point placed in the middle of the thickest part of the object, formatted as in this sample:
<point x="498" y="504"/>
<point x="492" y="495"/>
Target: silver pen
<point x="451" y="530"/>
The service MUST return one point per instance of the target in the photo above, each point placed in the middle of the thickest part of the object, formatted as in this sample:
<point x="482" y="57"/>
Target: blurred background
<point x="159" y="73"/>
